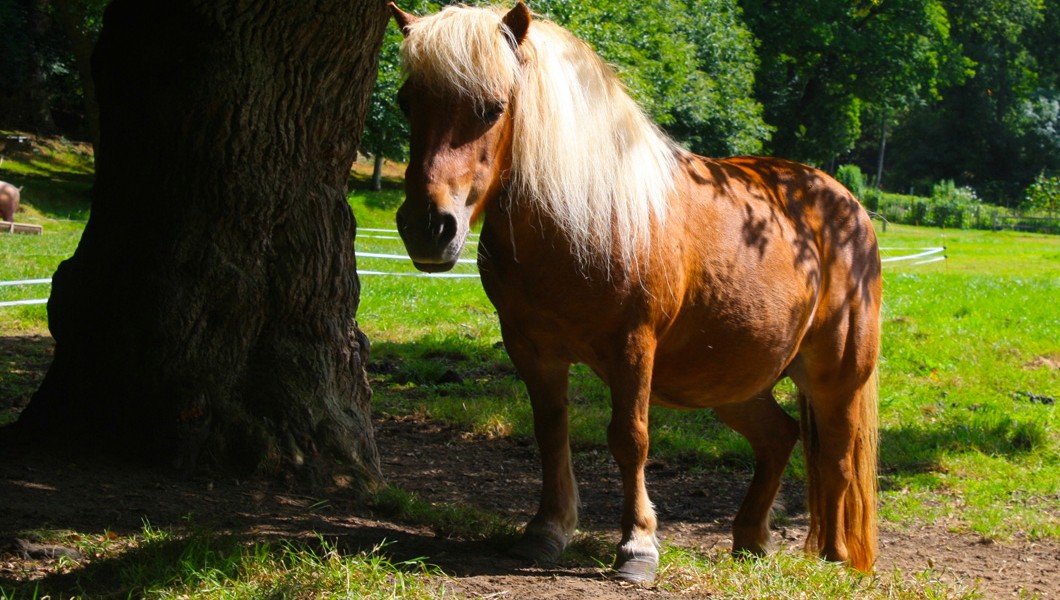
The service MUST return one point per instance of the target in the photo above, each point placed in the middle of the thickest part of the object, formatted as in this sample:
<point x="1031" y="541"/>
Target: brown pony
<point x="682" y="281"/>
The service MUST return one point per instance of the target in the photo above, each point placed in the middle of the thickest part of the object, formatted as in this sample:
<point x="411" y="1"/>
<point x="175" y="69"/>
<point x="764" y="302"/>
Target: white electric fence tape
<point x="928" y="254"/>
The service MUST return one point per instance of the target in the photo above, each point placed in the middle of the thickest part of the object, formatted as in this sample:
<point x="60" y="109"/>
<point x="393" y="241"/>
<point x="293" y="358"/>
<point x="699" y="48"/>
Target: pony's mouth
<point x="434" y="267"/>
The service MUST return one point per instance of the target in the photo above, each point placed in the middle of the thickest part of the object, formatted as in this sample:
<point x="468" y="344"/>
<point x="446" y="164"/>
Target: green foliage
<point x="951" y="205"/>
<point x="690" y="64"/>
<point x="852" y="178"/>
<point x="1043" y="194"/>
<point x="40" y="88"/>
<point x="996" y="128"/>
<point x="824" y="61"/>
<point x="386" y="131"/>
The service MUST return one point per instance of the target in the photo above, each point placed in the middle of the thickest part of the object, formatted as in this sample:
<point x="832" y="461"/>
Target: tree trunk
<point x="377" y="172"/>
<point x="72" y="21"/>
<point x="38" y="115"/>
<point x="883" y="149"/>
<point x="209" y="311"/>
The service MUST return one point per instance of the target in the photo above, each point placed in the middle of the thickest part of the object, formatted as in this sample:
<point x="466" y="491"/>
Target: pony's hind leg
<point x="772" y="434"/>
<point x="840" y="443"/>
<point x="551" y="529"/>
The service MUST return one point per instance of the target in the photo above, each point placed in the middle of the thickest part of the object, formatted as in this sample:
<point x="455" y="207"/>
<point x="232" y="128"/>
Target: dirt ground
<point x="444" y="464"/>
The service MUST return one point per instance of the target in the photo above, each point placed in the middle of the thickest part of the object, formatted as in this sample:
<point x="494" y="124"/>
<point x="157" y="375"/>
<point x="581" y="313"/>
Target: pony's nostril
<point x="445" y="229"/>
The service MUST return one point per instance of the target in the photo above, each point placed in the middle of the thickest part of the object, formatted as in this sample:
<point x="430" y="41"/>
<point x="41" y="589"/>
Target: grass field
<point x="969" y="377"/>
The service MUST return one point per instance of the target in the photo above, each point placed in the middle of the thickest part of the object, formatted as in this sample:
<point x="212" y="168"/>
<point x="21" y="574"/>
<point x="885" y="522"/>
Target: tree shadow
<point x="919" y="448"/>
<point x="389" y="197"/>
<point x="24" y="360"/>
<point x="95" y="506"/>
<point x="58" y="195"/>
<point x="155" y="564"/>
<point x="438" y="362"/>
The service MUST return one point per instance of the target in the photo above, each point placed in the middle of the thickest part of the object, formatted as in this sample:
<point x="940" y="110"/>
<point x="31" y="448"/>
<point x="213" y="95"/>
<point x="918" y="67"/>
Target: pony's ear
<point x="518" y="21"/>
<point x="402" y="18"/>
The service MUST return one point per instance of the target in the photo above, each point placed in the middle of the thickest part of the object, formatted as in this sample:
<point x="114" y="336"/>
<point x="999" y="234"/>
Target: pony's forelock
<point x="584" y="153"/>
<point x="463" y="51"/>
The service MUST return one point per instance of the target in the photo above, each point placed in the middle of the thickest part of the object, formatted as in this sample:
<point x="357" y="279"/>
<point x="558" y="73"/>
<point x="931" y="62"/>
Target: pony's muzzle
<point x="433" y="238"/>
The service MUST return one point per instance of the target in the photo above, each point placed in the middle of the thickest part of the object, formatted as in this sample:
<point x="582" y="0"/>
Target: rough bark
<point x="209" y="311"/>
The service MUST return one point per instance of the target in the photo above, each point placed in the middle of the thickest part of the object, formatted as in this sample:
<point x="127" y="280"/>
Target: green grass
<point x="55" y="180"/>
<point x="720" y="574"/>
<point x="969" y="384"/>
<point x="446" y="520"/>
<point x="161" y="564"/>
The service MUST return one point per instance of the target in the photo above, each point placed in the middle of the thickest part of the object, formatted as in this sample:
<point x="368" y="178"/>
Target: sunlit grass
<point x="719" y="574"/>
<point x="164" y="564"/>
<point x="969" y="384"/>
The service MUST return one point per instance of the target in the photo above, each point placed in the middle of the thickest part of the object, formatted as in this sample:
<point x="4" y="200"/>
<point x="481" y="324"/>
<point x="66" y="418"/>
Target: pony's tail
<point x="859" y="507"/>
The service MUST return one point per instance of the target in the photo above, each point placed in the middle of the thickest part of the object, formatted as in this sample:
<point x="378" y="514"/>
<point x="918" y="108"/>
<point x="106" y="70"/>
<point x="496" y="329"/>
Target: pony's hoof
<point x="750" y="552"/>
<point x="537" y="548"/>
<point x="638" y="570"/>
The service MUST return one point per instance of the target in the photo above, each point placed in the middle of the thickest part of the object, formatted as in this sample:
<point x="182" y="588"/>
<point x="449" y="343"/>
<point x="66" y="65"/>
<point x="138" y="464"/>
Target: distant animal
<point x="680" y="280"/>
<point x="9" y="197"/>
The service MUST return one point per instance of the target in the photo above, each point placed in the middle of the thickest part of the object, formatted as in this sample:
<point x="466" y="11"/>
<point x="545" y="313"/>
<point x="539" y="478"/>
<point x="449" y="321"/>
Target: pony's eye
<point x="492" y="111"/>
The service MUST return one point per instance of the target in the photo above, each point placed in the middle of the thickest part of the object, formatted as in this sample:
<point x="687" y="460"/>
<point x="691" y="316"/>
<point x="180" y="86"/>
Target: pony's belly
<point x="711" y="374"/>
<point x="705" y="391"/>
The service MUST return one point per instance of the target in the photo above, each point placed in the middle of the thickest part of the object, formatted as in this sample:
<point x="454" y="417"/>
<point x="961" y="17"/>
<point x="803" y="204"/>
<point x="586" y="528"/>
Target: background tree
<point x="927" y="90"/>
<point x="991" y="130"/>
<point x="690" y="64"/>
<point x="824" y="61"/>
<point x="386" y="130"/>
<point x="727" y="119"/>
<point x="209" y="311"/>
<point x="45" y="81"/>
<point x="81" y="21"/>
<point x="26" y="58"/>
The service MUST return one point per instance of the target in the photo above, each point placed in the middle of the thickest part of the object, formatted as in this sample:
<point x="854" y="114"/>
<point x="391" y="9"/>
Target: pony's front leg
<point x="638" y="553"/>
<point x="552" y="528"/>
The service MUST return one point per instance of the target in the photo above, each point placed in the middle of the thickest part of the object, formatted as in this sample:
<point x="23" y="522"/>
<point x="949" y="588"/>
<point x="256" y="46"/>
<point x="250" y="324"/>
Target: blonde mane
<point x="584" y="154"/>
